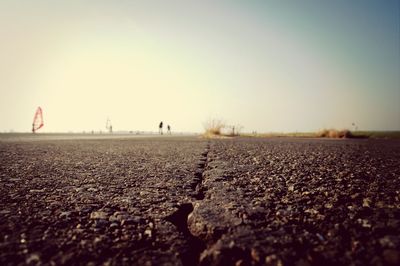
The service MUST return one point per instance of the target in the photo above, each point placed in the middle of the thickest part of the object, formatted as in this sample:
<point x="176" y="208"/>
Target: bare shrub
<point x="346" y="134"/>
<point x="334" y="133"/>
<point x="214" y="126"/>
<point x="323" y="133"/>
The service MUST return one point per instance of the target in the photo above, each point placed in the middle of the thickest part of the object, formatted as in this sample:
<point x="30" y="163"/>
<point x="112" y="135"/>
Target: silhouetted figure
<point x="169" y="129"/>
<point x="160" y="127"/>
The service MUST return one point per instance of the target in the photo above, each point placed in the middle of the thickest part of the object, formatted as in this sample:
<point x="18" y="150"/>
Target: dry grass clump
<point x="213" y="127"/>
<point x="335" y="134"/>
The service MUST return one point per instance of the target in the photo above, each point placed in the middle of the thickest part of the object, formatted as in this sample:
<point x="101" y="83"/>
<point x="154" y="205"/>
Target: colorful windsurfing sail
<point x="37" y="120"/>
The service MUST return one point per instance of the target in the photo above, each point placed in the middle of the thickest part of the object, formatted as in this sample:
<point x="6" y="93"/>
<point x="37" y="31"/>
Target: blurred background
<point x="265" y="65"/>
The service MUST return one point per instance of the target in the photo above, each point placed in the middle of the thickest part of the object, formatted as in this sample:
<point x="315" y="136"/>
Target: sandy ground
<point x="185" y="200"/>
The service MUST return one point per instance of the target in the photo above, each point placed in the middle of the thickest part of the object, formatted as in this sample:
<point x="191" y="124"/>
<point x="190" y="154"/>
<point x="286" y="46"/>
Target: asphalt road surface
<point x="191" y="201"/>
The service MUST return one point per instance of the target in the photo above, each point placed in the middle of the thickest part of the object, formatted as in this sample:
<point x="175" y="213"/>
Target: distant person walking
<point x="169" y="129"/>
<point x="160" y="128"/>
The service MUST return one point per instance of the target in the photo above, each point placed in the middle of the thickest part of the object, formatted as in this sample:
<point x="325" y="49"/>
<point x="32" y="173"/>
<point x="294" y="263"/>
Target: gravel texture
<point x="187" y="200"/>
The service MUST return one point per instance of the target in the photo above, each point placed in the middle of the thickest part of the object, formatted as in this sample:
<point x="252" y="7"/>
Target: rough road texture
<point x="190" y="201"/>
<point x="301" y="202"/>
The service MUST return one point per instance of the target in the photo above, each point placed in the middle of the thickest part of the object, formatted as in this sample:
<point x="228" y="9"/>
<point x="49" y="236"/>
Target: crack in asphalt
<point x="195" y="246"/>
<point x="199" y="174"/>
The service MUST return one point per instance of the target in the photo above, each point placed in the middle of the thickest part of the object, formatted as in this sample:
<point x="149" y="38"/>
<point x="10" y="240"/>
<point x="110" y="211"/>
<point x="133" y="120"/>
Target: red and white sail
<point x="37" y="120"/>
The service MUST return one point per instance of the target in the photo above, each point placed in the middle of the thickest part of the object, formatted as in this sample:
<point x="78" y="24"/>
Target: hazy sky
<point x="267" y="65"/>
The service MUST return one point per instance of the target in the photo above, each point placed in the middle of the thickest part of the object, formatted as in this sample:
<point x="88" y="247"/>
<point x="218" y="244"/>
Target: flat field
<point x="115" y="200"/>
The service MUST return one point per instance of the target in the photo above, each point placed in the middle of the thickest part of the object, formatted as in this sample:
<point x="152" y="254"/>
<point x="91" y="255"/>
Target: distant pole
<point x="109" y="125"/>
